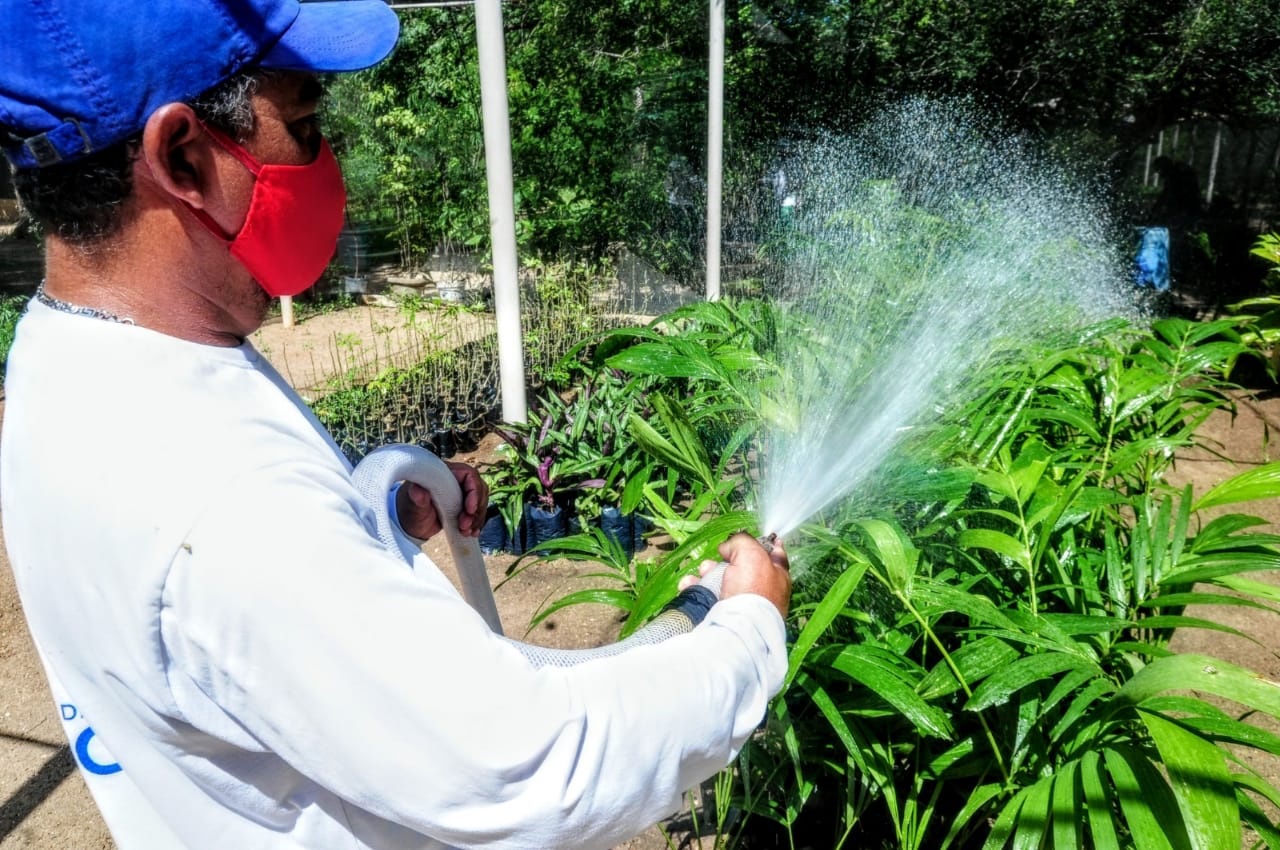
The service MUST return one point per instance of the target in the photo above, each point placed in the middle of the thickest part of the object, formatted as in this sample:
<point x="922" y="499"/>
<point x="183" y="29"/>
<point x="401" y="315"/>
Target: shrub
<point x="990" y="663"/>
<point x="981" y="635"/>
<point x="11" y="309"/>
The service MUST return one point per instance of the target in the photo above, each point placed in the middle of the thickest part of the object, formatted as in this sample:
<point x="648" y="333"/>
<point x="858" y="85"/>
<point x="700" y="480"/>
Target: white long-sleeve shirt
<point x="239" y="663"/>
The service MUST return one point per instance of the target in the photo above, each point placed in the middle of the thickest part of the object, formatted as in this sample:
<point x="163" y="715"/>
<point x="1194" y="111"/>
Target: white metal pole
<point x="502" y="216"/>
<point x="286" y="310"/>
<point x="715" y="146"/>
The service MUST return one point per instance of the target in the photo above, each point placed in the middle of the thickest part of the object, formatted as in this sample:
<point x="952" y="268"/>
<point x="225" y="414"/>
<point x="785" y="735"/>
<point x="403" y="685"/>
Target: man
<point x="236" y="660"/>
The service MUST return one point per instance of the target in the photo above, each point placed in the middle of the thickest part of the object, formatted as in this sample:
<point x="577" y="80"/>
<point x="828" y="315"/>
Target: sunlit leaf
<point x="830" y="607"/>
<point x="1262" y="482"/>
<point x="1199" y="776"/>
<point x="998" y="687"/>
<point x="1145" y="801"/>
<point x="1098" y="802"/>
<point x="998" y="542"/>
<point x="1068" y="826"/>
<point x="1188" y="672"/>
<point x="856" y="663"/>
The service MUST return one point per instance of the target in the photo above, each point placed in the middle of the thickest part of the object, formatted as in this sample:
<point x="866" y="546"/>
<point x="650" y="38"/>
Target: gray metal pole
<point x="502" y="216"/>
<point x="715" y="147"/>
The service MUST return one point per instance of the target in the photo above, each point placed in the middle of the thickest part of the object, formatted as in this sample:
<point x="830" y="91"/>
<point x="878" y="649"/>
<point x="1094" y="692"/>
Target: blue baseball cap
<point x="77" y="76"/>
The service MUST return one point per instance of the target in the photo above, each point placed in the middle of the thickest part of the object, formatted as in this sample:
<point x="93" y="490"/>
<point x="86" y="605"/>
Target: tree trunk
<point x="1213" y="165"/>
<point x="1246" y="176"/>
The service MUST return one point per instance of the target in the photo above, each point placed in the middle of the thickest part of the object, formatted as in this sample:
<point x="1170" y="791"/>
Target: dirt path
<point x="355" y="344"/>
<point x="43" y="800"/>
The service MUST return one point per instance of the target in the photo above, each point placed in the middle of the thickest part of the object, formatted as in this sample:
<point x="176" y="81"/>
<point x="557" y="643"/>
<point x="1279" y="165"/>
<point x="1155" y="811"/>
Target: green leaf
<point x="1141" y="800"/>
<point x="1262" y="482"/>
<point x="978" y="799"/>
<point x="1005" y="823"/>
<point x="1171" y="621"/>
<point x="943" y="597"/>
<point x="1085" y="624"/>
<point x="1259" y="786"/>
<point x="1180" y="600"/>
<point x="1249" y="587"/>
<point x="1066" y="415"/>
<point x="633" y="492"/>
<point x="1201" y="673"/>
<point x="681" y="447"/>
<point x="1067" y="823"/>
<point x="1082" y="716"/>
<point x="896" y="556"/>
<point x="656" y="358"/>
<point x="1024" y="672"/>
<point x="1098" y="803"/>
<point x="998" y="542"/>
<point x="1226" y="730"/>
<point x="617" y="598"/>
<point x="1201" y="781"/>
<point x="1252" y="814"/>
<point x="822" y="616"/>
<point x="858" y="664"/>
<point x="657" y="590"/>
<point x="680" y="451"/>
<point x="975" y="660"/>
<point x="1034" y="817"/>
<point x="851" y="737"/>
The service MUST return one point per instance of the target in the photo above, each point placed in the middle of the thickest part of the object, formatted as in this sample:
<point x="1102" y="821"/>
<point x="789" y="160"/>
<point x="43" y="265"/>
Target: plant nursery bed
<point x="48" y="806"/>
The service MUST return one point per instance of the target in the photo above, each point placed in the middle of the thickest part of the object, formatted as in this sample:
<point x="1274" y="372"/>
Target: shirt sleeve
<point x="380" y="683"/>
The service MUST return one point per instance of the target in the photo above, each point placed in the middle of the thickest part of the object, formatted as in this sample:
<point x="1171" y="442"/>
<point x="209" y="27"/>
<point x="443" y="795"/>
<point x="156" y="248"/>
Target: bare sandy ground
<point x="44" y="802"/>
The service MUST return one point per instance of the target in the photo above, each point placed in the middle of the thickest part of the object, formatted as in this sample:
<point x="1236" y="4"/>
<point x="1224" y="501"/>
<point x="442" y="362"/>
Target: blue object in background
<point x="1151" y="265"/>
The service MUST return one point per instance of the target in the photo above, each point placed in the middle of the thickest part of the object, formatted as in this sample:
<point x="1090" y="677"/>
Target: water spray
<point x="923" y="244"/>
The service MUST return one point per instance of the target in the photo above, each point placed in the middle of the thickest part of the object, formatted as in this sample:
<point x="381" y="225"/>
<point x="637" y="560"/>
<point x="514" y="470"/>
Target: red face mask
<point x="294" y="219"/>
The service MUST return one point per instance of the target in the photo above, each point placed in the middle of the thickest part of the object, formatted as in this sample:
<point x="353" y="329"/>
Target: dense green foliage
<point x="1118" y="68"/>
<point x="1262" y="312"/>
<point x="608" y="100"/>
<point x="982" y="651"/>
<point x="11" y="309"/>
<point x="580" y="82"/>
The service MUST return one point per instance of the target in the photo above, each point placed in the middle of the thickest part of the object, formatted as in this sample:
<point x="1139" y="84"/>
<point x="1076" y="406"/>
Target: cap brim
<point x="336" y="35"/>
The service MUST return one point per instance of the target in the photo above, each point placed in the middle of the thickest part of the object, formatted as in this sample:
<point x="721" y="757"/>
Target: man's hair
<point x="81" y="202"/>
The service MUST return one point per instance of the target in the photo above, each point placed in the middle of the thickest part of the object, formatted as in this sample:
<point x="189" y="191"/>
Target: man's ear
<point x="176" y="152"/>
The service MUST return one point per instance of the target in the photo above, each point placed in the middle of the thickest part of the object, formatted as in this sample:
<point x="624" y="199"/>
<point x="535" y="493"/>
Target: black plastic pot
<point x="639" y="525"/>
<point x="462" y="439"/>
<point x="442" y="441"/>
<point x="493" y="535"/>
<point x="620" y="528"/>
<point x="543" y="524"/>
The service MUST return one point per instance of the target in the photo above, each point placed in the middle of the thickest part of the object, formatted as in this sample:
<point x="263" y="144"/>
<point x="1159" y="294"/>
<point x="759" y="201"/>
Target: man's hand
<point x="752" y="569"/>
<point x="417" y="513"/>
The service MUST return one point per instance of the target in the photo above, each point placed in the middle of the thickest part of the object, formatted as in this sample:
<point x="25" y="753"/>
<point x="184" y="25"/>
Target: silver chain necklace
<point x="77" y="310"/>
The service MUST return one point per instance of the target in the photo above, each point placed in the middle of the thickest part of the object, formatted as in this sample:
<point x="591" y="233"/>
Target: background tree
<point x="608" y="98"/>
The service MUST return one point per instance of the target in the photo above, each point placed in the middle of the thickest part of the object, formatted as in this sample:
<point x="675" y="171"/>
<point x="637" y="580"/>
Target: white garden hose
<point x="376" y="476"/>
